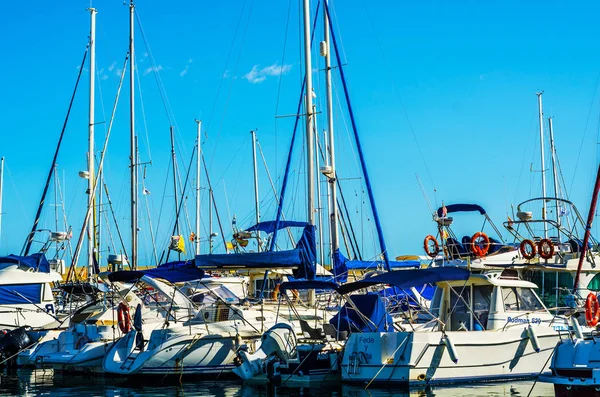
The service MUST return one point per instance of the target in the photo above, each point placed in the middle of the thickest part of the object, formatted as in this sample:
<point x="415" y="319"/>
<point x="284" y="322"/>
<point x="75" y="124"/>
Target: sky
<point x="442" y="90"/>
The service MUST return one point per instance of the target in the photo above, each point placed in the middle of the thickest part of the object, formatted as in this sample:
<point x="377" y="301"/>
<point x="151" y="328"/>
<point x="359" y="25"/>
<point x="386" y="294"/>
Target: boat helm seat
<point x="310" y="332"/>
<point x="332" y="333"/>
<point x="455" y="249"/>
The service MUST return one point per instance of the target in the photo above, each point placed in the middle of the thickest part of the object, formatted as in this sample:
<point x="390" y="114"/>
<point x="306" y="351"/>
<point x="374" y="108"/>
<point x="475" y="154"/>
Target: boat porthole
<point x="421" y="377"/>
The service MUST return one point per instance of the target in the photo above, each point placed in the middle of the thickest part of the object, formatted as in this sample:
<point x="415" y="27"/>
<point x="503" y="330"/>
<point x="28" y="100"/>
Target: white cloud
<point x="153" y="69"/>
<point x="187" y="67"/>
<point x="184" y="71"/>
<point x="112" y="66"/>
<point x="257" y="75"/>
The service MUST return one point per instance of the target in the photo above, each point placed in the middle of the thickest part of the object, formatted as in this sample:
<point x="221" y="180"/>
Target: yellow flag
<point x="229" y="245"/>
<point x="444" y="234"/>
<point x="181" y="244"/>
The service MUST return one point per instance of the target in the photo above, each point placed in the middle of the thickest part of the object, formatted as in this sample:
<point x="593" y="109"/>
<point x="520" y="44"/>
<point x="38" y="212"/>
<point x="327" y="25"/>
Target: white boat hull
<point x="422" y="358"/>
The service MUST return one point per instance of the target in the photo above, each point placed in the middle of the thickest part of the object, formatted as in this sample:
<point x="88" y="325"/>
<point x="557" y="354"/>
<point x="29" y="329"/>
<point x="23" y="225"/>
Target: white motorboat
<point x="96" y="327"/>
<point x="486" y="327"/>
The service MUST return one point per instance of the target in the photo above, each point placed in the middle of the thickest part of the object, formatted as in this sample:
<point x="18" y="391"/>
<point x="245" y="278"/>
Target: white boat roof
<point x="13" y="274"/>
<point x="495" y="278"/>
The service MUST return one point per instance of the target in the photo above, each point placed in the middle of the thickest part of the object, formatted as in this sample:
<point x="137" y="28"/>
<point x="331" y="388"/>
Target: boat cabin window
<point x="520" y="299"/>
<point x="470" y="309"/>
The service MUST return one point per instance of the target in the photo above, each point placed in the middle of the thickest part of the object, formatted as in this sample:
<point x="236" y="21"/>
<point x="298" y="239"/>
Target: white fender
<point x="451" y="349"/>
<point x="533" y="338"/>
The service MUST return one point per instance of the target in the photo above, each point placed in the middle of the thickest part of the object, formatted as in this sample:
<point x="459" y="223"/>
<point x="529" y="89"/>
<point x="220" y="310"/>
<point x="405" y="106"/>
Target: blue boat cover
<point x="307" y="284"/>
<point x="20" y="293"/>
<point x="341" y="265"/>
<point x="461" y="208"/>
<point x="409" y="278"/>
<point x="173" y="272"/>
<point x="37" y="261"/>
<point x="301" y="259"/>
<point x="371" y="307"/>
<point x="269" y="226"/>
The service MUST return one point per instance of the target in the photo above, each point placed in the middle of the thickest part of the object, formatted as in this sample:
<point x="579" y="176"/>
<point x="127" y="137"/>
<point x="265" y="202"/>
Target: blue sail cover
<point x="341" y="265"/>
<point x="409" y="278"/>
<point x="307" y="284"/>
<point x="371" y="307"/>
<point x="36" y="262"/>
<point x="461" y="208"/>
<point x="301" y="259"/>
<point x="20" y="293"/>
<point x="270" y="226"/>
<point x="173" y="272"/>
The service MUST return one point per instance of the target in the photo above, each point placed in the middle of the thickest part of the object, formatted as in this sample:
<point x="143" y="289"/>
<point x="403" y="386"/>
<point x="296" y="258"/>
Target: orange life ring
<point x="592" y="310"/>
<point x="436" y="246"/>
<point x="275" y="293"/>
<point x="124" y="318"/>
<point x="545" y="248"/>
<point x="480" y="250"/>
<point x="527" y="249"/>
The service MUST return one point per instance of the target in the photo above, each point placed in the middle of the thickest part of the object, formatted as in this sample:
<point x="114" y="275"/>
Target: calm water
<point x="46" y="383"/>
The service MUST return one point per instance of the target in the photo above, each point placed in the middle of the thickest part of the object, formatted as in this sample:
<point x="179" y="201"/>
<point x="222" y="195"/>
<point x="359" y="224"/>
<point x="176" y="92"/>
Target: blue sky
<point x="455" y="82"/>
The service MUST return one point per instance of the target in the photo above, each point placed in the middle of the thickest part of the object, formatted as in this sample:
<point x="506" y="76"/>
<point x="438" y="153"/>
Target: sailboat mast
<point x="90" y="156"/>
<point x="310" y="171"/>
<point x="333" y="227"/>
<point x="539" y="95"/>
<point x="174" y="160"/>
<point x="588" y="230"/>
<point x="1" y="192"/>
<point x="310" y="165"/>
<point x="133" y="152"/>
<point x="554" y="171"/>
<point x="319" y="203"/>
<point x="198" y="172"/>
<point x="256" y="199"/>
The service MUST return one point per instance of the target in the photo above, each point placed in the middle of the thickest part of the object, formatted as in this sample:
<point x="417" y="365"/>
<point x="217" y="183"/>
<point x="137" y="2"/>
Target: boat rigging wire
<point x="29" y="240"/>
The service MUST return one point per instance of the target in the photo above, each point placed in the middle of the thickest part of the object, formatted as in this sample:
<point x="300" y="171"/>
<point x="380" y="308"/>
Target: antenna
<point x="433" y="213"/>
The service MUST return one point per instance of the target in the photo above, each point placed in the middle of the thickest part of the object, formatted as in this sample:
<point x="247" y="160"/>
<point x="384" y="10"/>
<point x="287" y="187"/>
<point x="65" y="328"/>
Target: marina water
<point x="47" y="383"/>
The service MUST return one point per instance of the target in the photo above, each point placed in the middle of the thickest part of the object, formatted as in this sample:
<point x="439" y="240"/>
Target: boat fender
<point x="480" y="244"/>
<point x="533" y="338"/>
<point x="527" y="249"/>
<point x="451" y="349"/>
<point x="592" y="310"/>
<point x="275" y="293"/>
<point x="431" y="251"/>
<point x="123" y="317"/>
<point x="546" y="248"/>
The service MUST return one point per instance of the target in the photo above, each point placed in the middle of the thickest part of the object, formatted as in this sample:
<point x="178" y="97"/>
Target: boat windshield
<point x="520" y="299"/>
<point x="208" y="296"/>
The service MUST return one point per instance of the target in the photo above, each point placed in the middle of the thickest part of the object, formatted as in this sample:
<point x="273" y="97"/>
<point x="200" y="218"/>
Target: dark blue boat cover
<point x="173" y="272"/>
<point x="20" y="293"/>
<point x="371" y="307"/>
<point x="307" y="284"/>
<point x="269" y="226"/>
<point x="301" y="259"/>
<point x="461" y="208"/>
<point x="37" y="261"/>
<point x="409" y="278"/>
<point x="341" y="265"/>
